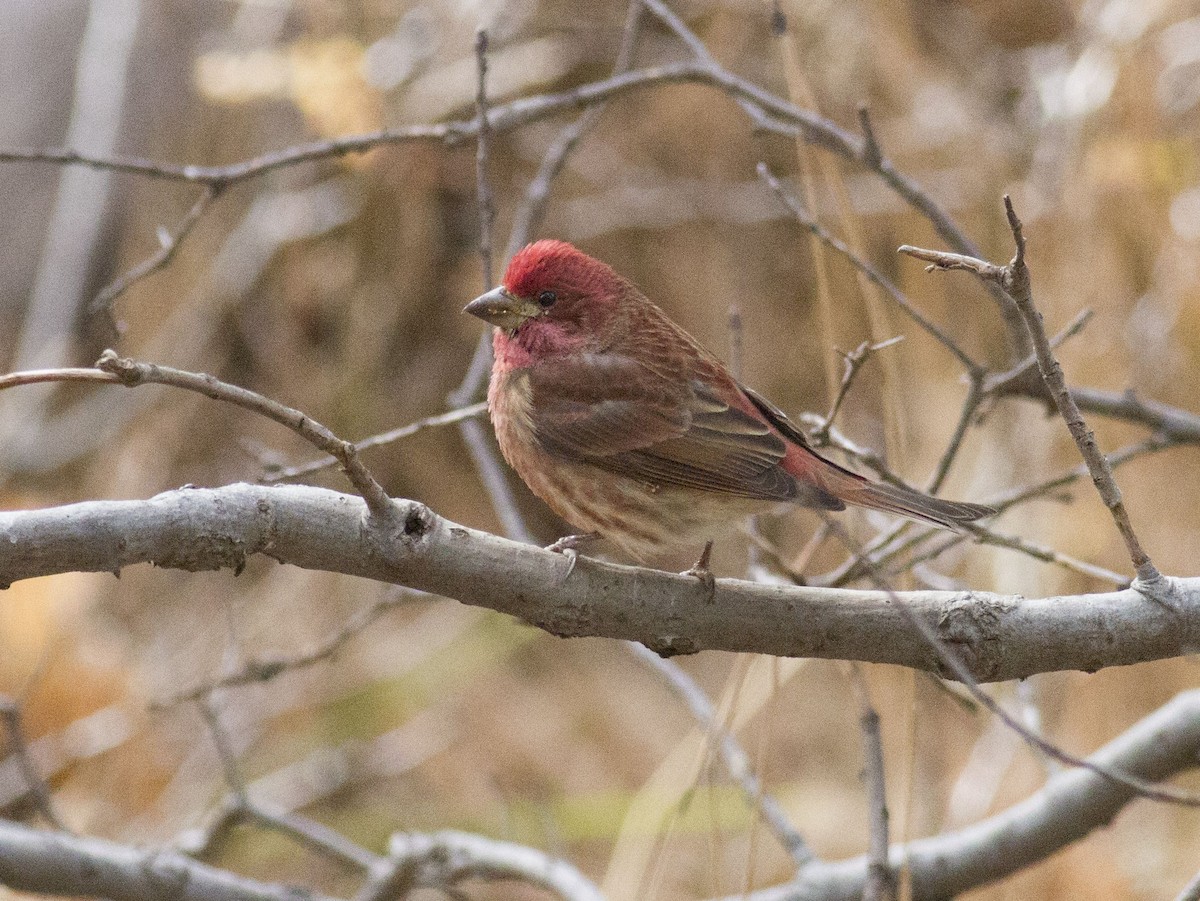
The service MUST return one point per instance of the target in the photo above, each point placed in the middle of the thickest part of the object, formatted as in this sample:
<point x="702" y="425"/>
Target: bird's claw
<point x="567" y="546"/>
<point x="570" y="542"/>
<point x="572" y="556"/>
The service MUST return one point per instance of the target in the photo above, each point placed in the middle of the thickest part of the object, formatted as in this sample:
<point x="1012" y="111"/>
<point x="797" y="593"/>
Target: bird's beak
<point x="502" y="309"/>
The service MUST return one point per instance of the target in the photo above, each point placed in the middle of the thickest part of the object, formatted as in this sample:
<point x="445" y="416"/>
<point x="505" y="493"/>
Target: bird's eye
<point x="546" y="299"/>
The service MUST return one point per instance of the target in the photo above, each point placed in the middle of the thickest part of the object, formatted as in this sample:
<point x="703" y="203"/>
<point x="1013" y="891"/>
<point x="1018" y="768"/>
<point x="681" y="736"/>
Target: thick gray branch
<point x="1070" y="806"/>
<point x="54" y="863"/>
<point x="998" y="636"/>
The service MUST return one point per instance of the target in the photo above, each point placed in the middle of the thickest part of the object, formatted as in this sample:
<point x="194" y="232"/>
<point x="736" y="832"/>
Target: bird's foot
<point x="567" y="546"/>
<point x="570" y="542"/>
<point x="700" y="570"/>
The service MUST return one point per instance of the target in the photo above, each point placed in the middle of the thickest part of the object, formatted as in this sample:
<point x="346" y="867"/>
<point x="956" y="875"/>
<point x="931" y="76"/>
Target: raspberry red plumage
<point x="625" y="426"/>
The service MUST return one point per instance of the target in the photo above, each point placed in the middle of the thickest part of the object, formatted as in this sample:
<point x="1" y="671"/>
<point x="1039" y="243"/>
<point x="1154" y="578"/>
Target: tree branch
<point x="1015" y="279"/>
<point x="1071" y="805"/>
<point x="998" y="636"/>
<point x="55" y="863"/>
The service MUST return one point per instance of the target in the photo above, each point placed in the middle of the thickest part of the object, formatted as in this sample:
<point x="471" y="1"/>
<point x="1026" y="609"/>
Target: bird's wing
<point x="633" y="419"/>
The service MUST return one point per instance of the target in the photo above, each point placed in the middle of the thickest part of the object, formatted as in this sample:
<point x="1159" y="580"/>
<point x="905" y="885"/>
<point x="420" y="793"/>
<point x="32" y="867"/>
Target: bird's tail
<point x="915" y="505"/>
<point x="852" y="488"/>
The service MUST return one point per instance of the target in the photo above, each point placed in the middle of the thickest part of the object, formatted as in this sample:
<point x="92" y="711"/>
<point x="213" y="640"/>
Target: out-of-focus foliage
<point x="336" y="287"/>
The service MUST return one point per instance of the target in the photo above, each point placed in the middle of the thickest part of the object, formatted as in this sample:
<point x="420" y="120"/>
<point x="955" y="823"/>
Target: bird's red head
<point x="554" y="299"/>
<point x="560" y="268"/>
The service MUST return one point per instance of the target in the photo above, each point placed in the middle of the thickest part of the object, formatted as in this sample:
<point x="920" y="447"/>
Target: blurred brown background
<point x="336" y="287"/>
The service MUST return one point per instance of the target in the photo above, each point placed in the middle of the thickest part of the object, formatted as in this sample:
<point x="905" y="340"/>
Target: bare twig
<point x="1069" y="806"/>
<point x="700" y="52"/>
<point x="265" y="669"/>
<point x="1015" y="280"/>
<point x="1017" y="379"/>
<point x="1036" y="550"/>
<point x="530" y="212"/>
<point x="483" y="144"/>
<point x="736" y="761"/>
<point x="132" y="373"/>
<point x="442" y="859"/>
<point x="1191" y="891"/>
<point x="852" y="362"/>
<point x="483" y="453"/>
<point x="47" y="862"/>
<point x="1046" y="487"/>
<point x="240" y="807"/>
<point x="303" y="469"/>
<point x="888" y="545"/>
<point x="168" y="246"/>
<point x="881" y="879"/>
<point x="966" y="415"/>
<point x="66" y="374"/>
<point x="802" y="216"/>
<point x="952" y="664"/>
<point x="225" y="753"/>
<point x="310" y="833"/>
<point x="1182" y="426"/>
<point x="35" y="785"/>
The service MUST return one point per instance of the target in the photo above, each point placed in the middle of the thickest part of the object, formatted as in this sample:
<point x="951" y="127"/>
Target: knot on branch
<point x="970" y="625"/>
<point x="417" y="521"/>
<point x="130" y="373"/>
<point x="668" y="646"/>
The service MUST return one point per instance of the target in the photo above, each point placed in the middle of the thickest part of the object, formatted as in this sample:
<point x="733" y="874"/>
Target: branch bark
<point x="998" y="636"/>
<point x="1070" y="806"/>
<point x="55" y="863"/>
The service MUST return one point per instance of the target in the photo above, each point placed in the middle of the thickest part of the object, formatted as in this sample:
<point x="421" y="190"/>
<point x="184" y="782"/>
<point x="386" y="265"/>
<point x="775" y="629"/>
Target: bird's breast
<point x="510" y="403"/>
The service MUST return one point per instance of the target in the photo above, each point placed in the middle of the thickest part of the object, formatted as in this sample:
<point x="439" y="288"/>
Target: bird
<point x="630" y="430"/>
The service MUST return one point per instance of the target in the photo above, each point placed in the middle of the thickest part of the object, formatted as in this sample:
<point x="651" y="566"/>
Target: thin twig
<point x="66" y="374"/>
<point x="1183" y="426"/>
<point x="1151" y="445"/>
<point x="1016" y="379"/>
<point x="736" y="761"/>
<point x="905" y="536"/>
<point x="239" y="807"/>
<point x="35" y="785"/>
<point x="132" y="373"/>
<point x="852" y="363"/>
<point x="312" y="834"/>
<point x="881" y="879"/>
<point x="530" y="212"/>
<point x="482" y="451"/>
<point x="1034" y="549"/>
<point x="952" y="664"/>
<point x="803" y="218"/>
<point x="1015" y="280"/>
<point x="264" y="669"/>
<point x="168" y="246"/>
<point x="225" y="753"/>
<point x="279" y="474"/>
<point x="970" y="406"/>
<point x="483" y="146"/>
<point x="1191" y="891"/>
<point x="702" y="55"/>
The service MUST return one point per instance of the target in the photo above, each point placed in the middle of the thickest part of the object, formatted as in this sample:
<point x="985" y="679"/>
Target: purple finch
<point x="626" y="427"/>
